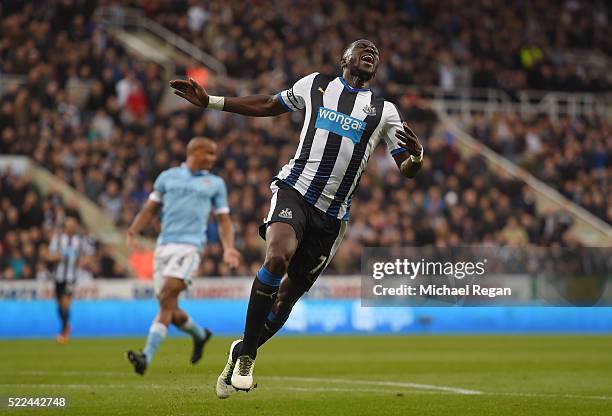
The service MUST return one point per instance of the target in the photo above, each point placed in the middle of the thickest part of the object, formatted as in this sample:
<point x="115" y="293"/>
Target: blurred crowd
<point x="572" y="155"/>
<point x="510" y="45"/>
<point x="28" y="221"/>
<point x="112" y="145"/>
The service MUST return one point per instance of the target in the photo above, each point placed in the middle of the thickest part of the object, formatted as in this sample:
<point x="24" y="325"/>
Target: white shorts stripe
<point x="272" y="203"/>
<point x="337" y="242"/>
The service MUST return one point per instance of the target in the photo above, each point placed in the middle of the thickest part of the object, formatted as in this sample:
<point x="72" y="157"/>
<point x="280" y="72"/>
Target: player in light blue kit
<point x="187" y="194"/>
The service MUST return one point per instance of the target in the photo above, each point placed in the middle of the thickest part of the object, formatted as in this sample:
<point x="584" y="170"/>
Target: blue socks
<point x="268" y="278"/>
<point x="157" y="333"/>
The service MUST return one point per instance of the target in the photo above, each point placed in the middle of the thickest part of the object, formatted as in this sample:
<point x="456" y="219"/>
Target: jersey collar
<point x="351" y="89"/>
<point x="197" y="173"/>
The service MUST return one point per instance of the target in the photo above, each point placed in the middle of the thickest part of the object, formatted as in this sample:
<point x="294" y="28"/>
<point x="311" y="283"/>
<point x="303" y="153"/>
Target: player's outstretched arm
<point x="231" y="256"/>
<point x="142" y="220"/>
<point x="254" y="105"/>
<point x="411" y="161"/>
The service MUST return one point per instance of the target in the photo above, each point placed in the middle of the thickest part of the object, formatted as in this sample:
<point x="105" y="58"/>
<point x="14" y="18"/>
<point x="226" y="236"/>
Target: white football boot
<point x="242" y="377"/>
<point x="224" y="384"/>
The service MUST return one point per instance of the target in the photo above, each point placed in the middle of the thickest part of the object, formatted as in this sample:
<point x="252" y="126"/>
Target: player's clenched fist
<point x="191" y="91"/>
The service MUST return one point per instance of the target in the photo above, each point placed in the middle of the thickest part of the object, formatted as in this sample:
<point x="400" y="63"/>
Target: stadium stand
<point x="112" y="145"/>
<point x="572" y="155"/>
<point x="492" y="44"/>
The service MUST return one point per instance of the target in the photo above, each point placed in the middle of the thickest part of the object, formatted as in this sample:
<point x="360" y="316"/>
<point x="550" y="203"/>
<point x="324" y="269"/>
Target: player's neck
<point x="193" y="167"/>
<point x="354" y="81"/>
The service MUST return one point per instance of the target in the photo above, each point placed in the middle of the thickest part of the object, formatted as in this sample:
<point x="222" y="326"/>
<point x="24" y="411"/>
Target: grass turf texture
<point x="515" y="375"/>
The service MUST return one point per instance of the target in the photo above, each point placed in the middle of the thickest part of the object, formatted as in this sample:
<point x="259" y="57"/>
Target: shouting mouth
<point x="368" y="59"/>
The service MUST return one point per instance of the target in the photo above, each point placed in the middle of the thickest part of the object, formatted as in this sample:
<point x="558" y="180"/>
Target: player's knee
<point x="167" y="299"/>
<point x="179" y="317"/>
<point x="277" y="262"/>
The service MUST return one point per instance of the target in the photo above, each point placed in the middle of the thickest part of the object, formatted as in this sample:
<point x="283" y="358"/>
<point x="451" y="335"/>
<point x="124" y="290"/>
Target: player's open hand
<point x="231" y="257"/>
<point x="409" y="140"/>
<point x="191" y="91"/>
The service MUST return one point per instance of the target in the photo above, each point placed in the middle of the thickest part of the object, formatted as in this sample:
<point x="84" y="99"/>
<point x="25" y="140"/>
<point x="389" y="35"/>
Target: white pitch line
<point x="456" y="390"/>
<point x="304" y="379"/>
<point x="420" y="388"/>
<point x="550" y="395"/>
<point x="340" y="389"/>
<point x="428" y="388"/>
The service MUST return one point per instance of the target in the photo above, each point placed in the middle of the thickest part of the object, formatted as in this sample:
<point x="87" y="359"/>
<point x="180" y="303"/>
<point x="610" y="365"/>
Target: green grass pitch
<point x="384" y="375"/>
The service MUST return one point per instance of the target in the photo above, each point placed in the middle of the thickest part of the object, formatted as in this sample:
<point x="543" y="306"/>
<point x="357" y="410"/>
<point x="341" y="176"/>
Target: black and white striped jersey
<point x="342" y="126"/>
<point x="70" y="248"/>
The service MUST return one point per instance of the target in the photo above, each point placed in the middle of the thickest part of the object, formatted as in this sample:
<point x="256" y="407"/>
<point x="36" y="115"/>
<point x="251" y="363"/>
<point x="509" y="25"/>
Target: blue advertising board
<point x="102" y="318"/>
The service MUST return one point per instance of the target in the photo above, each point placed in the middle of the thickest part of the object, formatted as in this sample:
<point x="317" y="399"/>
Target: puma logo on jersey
<point x="286" y="213"/>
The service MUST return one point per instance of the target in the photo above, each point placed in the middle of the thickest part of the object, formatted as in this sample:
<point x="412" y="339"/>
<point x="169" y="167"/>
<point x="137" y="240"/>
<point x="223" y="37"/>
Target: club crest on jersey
<point x="340" y="124"/>
<point x="369" y="110"/>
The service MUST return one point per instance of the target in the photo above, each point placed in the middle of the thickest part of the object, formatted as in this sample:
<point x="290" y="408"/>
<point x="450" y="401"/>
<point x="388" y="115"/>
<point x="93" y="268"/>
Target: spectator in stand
<point x="111" y="200"/>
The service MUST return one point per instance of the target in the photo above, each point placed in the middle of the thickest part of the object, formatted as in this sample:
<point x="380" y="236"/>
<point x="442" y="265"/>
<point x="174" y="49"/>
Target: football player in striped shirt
<point x="311" y="195"/>
<point x="70" y="252"/>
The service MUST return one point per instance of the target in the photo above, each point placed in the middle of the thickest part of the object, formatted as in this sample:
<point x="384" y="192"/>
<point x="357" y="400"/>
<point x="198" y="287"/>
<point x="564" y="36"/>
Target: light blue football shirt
<point x="187" y="199"/>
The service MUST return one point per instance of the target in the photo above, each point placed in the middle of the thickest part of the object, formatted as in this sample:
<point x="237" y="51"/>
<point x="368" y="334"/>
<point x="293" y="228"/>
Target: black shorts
<point x="319" y="234"/>
<point x="63" y="289"/>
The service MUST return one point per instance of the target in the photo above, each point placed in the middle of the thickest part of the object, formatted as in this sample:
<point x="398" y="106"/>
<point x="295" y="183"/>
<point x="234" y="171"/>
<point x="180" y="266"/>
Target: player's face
<point x="206" y="156"/>
<point x="363" y="59"/>
<point x="70" y="226"/>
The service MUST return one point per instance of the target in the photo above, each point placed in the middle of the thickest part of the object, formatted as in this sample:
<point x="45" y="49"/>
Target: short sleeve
<point x="220" y="199"/>
<point x="393" y="123"/>
<point x="294" y="98"/>
<point x="159" y="188"/>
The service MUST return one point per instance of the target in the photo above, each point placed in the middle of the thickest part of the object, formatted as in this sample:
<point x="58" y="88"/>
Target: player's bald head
<point x="198" y="143"/>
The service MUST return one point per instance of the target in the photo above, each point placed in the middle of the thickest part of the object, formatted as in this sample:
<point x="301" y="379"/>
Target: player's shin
<point x="199" y="335"/>
<point x="263" y="293"/>
<point x="157" y="333"/>
<point x="192" y="328"/>
<point x="273" y="324"/>
<point x="64" y="314"/>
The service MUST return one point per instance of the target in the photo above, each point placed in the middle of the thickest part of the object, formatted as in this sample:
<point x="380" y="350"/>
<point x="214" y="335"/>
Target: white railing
<point x="130" y="18"/>
<point x="466" y="102"/>
<point x="592" y="58"/>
